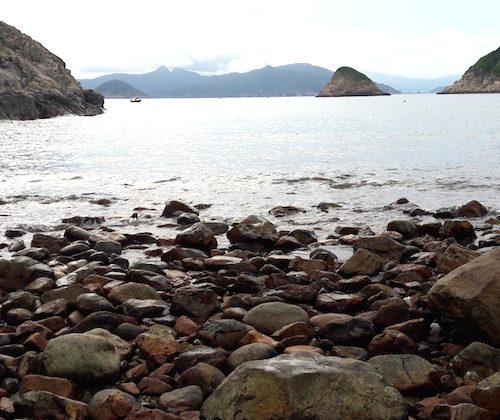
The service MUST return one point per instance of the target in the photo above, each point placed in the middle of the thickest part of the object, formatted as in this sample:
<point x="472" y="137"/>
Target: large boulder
<point x="253" y="229"/>
<point x="304" y="386"/>
<point x="35" y="83"/>
<point x="469" y="296"/>
<point x="81" y="357"/>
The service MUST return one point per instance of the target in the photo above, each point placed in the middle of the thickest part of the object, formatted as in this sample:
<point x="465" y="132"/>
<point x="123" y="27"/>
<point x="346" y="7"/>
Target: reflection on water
<point x="247" y="155"/>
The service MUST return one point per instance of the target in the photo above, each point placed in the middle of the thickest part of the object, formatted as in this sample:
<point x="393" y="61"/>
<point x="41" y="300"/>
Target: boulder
<point x="347" y="81"/>
<point x="454" y="256"/>
<point x="487" y="393"/>
<point x="468" y="296"/>
<point x="17" y="272"/>
<point x="472" y="209"/>
<point x="81" y="357"/>
<point x="182" y="399"/>
<point x="275" y="389"/>
<point x="383" y="246"/>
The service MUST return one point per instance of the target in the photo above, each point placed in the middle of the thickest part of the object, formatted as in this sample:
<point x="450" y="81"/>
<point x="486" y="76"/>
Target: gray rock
<point x="337" y="389"/>
<point x="182" y="399"/>
<point x="248" y="352"/>
<point x="270" y="317"/>
<point x="81" y="357"/>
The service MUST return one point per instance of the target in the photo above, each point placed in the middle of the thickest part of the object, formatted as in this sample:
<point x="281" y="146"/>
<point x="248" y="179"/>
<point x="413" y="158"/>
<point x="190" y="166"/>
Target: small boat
<point x="136" y="99"/>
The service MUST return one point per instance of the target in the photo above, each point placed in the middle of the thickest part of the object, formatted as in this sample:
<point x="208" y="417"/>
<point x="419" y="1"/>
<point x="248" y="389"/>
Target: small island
<point x="34" y="83"/>
<point x="347" y="81"/>
<point x="482" y="77"/>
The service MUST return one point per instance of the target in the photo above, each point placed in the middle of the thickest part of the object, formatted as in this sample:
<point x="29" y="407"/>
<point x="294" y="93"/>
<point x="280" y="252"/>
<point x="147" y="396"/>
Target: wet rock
<point x="58" y="386"/>
<point x="102" y="319"/>
<point x="74" y="248"/>
<point x="39" y="405"/>
<point x="416" y="329"/>
<point x="392" y="341"/>
<point x="76" y="233"/>
<point x="274" y="388"/>
<point x="108" y="247"/>
<point x="132" y="290"/>
<point x="197" y="302"/>
<point x="186" y="218"/>
<point x="122" y="347"/>
<point x="405" y="372"/>
<point x="282" y="211"/>
<point x="478" y="357"/>
<point x="362" y="262"/>
<point x="487" y="393"/>
<point x="217" y="227"/>
<point x="81" y="357"/>
<point x="253" y="229"/>
<point x="461" y="230"/>
<point x="172" y="207"/>
<point x="350" y="352"/>
<point x="393" y="312"/>
<point x="17" y="272"/>
<point x="53" y="243"/>
<point x="472" y="209"/>
<point x="406" y="227"/>
<point x="143" y="308"/>
<point x="339" y="302"/>
<point x="462" y="411"/>
<point x="197" y="236"/>
<point x="186" y="327"/>
<point x="383" y="246"/>
<point x="183" y="399"/>
<point x="347" y="330"/>
<point x="198" y="354"/>
<point x="16" y="245"/>
<point x="305" y="237"/>
<point x="159" y="340"/>
<point x="17" y="316"/>
<point x="254" y="351"/>
<point x="128" y="331"/>
<point x="111" y="404"/>
<point x="206" y="376"/>
<point x="56" y="307"/>
<point x="225" y="333"/>
<point x="92" y="302"/>
<point x="70" y="293"/>
<point x="287" y="242"/>
<point x="468" y="296"/>
<point x="454" y="256"/>
<point x="152" y="414"/>
<point x="14" y="233"/>
<point x="270" y="317"/>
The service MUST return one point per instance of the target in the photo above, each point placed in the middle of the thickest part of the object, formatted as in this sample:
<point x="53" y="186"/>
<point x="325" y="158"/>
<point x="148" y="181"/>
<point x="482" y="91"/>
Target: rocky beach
<point x="218" y="321"/>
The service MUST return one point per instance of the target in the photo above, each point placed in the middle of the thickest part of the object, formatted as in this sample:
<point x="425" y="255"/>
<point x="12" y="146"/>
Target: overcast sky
<point x="417" y="38"/>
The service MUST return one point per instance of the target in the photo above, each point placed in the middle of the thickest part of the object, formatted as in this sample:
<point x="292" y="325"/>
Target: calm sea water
<point x="248" y="155"/>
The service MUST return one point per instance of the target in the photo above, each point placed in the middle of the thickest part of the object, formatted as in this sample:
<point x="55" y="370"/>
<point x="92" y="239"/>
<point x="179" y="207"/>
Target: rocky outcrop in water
<point x="482" y="77"/>
<point x="349" y="82"/>
<point x="34" y="83"/>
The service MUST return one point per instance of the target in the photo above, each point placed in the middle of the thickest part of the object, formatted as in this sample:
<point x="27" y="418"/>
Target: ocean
<point x="245" y="156"/>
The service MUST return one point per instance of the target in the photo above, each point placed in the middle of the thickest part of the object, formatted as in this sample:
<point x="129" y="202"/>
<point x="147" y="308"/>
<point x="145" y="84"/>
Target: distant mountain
<point x="347" y="81"/>
<point x="387" y="89"/>
<point x="118" y="89"/>
<point x="288" y="80"/>
<point x="482" y="77"/>
<point x="412" y="85"/>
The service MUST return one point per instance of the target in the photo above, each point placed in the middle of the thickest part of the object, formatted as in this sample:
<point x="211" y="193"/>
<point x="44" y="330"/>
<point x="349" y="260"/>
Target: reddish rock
<point x="157" y="341"/>
<point x="153" y="386"/>
<point x="198" y="354"/>
<point x="186" y="327"/>
<point x="42" y="405"/>
<point x="339" y="302"/>
<point x="111" y="404"/>
<point x="392" y="341"/>
<point x="206" y="376"/>
<point x="58" y="386"/>
<point x="461" y="230"/>
<point x="472" y="209"/>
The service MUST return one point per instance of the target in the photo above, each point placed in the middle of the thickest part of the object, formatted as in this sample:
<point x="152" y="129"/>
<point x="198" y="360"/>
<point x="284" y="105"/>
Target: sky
<point x="417" y="38"/>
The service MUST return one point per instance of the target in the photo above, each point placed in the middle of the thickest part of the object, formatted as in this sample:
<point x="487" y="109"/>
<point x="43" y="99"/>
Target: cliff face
<point x="482" y="77"/>
<point x="348" y="82"/>
<point x="34" y="83"/>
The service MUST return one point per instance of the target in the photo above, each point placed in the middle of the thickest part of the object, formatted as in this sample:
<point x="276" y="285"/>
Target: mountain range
<point x="299" y="79"/>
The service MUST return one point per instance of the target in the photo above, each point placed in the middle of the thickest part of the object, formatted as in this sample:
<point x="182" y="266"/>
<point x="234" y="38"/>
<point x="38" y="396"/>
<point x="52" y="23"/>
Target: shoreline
<point x="167" y="318"/>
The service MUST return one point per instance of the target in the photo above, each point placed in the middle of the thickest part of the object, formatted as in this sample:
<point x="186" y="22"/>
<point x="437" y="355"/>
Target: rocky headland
<point x="116" y="89"/>
<point x="34" y="83"/>
<point x="349" y="82"/>
<point x="102" y="324"/>
<point x="482" y="77"/>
